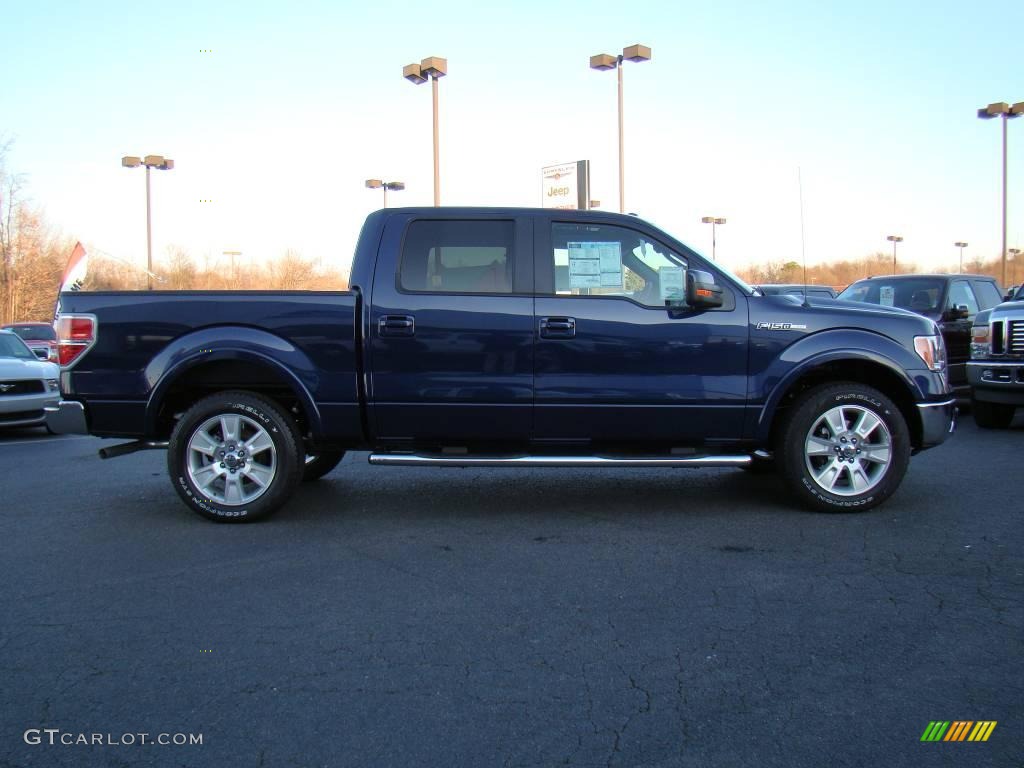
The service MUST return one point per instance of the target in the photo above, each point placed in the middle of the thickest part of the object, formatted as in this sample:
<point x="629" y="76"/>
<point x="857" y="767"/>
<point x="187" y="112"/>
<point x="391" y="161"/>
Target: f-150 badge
<point x="781" y="327"/>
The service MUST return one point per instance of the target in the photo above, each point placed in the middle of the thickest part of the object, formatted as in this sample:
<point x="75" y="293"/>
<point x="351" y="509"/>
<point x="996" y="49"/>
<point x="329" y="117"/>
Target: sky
<point x="276" y="113"/>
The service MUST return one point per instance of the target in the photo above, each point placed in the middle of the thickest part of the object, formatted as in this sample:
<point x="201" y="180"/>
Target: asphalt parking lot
<point x="445" y="617"/>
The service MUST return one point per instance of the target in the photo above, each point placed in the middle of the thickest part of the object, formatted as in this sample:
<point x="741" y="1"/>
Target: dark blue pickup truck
<point x="505" y="337"/>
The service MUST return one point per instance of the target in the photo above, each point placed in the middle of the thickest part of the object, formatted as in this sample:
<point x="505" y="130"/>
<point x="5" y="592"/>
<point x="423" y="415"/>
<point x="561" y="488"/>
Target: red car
<point x="40" y="338"/>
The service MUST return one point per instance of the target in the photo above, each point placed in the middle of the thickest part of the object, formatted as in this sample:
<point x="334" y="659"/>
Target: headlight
<point x="981" y="341"/>
<point x="53" y="385"/>
<point x="932" y="350"/>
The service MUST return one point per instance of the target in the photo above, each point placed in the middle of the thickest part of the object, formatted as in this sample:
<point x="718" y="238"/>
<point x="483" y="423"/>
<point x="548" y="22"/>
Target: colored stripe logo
<point x="959" y="730"/>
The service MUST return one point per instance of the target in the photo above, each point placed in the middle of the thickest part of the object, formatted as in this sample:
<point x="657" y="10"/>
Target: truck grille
<point x="1015" y="337"/>
<point x="21" y="387"/>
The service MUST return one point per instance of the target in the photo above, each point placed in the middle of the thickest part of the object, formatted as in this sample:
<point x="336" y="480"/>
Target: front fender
<point x="830" y="346"/>
<point x="232" y="343"/>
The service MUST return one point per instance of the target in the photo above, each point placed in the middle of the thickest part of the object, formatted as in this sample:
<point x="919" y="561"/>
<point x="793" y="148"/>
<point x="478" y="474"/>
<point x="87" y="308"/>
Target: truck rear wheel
<point x="844" y="447"/>
<point x="319" y="464"/>
<point x="234" y="457"/>
<point x="992" y="415"/>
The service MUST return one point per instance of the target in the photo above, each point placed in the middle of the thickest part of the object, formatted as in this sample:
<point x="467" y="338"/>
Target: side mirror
<point x="957" y="312"/>
<point x="701" y="290"/>
<point x="1008" y="296"/>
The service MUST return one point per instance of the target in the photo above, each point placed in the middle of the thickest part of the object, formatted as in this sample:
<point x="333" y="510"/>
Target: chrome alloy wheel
<point x="848" y="450"/>
<point x="231" y="459"/>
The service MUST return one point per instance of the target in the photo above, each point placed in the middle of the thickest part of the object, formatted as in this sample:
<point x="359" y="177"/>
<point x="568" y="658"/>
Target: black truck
<point x="996" y="368"/>
<point x="501" y="338"/>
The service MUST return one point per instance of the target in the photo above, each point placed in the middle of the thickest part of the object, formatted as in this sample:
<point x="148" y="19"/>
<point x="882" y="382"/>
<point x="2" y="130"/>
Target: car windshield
<point x="33" y="332"/>
<point x="918" y="294"/>
<point x="12" y="346"/>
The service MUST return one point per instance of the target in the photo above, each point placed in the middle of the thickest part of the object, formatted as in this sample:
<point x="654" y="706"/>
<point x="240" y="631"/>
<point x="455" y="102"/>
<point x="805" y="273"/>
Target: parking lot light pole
<point x="1002" y="110"/>
<point x="232" y="254"/>
<point x="605" y="61"/>
<point x="961" y="245"/>
<point x="161" y="163"/>
<point x="894" y="239"/>
<point x="714" y="222"/>
<point x="395" y="186"/>
<point x="432" y="67"/>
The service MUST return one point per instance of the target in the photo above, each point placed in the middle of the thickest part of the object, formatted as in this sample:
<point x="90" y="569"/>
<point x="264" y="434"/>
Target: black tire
<point x="281" y="458"/>
<point x="319" y="464"/>
<point x="992" y="415"/>
<point x="846" y="467"/>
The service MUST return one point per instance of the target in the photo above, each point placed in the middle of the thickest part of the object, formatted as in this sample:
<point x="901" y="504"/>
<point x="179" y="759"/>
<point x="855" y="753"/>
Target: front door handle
<point x="397" y="325"/>
<point x="557" y="327"/>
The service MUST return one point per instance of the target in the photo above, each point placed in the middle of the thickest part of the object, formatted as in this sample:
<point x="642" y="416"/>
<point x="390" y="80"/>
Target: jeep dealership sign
<point x="566" y="186"/>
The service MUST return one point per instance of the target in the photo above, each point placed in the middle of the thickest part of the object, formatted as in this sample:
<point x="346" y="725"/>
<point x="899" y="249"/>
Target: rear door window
<point x="458" y="257"/>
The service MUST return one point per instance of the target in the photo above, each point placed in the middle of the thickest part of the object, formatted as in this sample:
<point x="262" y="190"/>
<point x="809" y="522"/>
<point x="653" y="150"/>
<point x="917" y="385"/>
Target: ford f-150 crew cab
<point x="505" y="337"/>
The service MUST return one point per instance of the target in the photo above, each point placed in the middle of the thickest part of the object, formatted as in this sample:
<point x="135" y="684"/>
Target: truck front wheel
<point x="234" y="457"/>
<point x="991" y="415"/>
<point x="844" y="447"/>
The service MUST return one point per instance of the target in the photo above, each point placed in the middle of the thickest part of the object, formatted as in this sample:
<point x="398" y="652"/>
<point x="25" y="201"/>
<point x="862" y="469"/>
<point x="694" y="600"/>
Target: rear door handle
<point x="397" y="325"/>
<point x="557" y="327"/>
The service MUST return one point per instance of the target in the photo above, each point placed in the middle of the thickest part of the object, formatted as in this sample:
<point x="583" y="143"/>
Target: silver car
<point x="27" y="384"/>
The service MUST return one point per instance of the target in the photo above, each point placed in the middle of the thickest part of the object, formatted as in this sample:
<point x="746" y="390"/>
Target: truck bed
<point x="145" y="339"/>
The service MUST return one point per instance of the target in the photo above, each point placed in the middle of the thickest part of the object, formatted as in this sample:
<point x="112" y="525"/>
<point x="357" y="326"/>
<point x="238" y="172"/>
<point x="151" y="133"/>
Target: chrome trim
<point x="951" y="401"/>
<point x="422" y="460"/>
<point x="67" y="417"/>
<point x="997" y="364"/>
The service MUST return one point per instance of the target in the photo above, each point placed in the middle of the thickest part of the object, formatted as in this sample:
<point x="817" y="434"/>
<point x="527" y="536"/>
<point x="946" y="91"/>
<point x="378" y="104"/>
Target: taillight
<point x="75" y="335"/>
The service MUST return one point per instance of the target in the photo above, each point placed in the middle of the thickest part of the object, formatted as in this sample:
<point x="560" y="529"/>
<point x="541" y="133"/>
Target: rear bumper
<point x="67" y="417"/>
<point x="938" y="422"/>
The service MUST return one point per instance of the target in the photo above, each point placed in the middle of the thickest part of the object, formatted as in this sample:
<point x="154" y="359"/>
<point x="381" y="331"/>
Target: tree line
<point x="33" y="256"/>
<point x="841" y="273"/>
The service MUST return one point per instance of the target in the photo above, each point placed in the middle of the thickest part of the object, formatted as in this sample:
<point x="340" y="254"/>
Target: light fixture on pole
<point x="894" y="239"/>
<point x="1006" y="112"/>
<point x="161" y="163"/>
<point x="714" y="221"/>
<point x="605" y="61"/>
<point x="395" y="186"/>
<point x="961" y="245"/>
<point x="432" y="67"/>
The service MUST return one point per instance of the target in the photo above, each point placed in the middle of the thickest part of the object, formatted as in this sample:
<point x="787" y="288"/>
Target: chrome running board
<point x="448" y="460"/>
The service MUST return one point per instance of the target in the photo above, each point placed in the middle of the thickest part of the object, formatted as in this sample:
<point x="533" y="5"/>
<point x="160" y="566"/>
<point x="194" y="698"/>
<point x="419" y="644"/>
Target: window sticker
<point x="671" y="282"/>
<point x="595" y="265"/>
<point x="886" y="295"/>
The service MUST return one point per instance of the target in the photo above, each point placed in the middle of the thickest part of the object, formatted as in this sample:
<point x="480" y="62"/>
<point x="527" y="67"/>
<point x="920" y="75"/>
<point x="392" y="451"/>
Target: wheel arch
<point x="883" y="375"/>
<point x="203" y="372"/>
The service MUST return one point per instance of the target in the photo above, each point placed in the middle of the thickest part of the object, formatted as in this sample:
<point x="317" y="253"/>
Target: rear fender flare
<point x="232" y="343"/>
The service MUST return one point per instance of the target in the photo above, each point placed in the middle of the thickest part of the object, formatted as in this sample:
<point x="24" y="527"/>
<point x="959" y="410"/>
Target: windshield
<point x="918" y="294"/>
<point x="33" y="332"/>
<point x="12" y="346"/>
